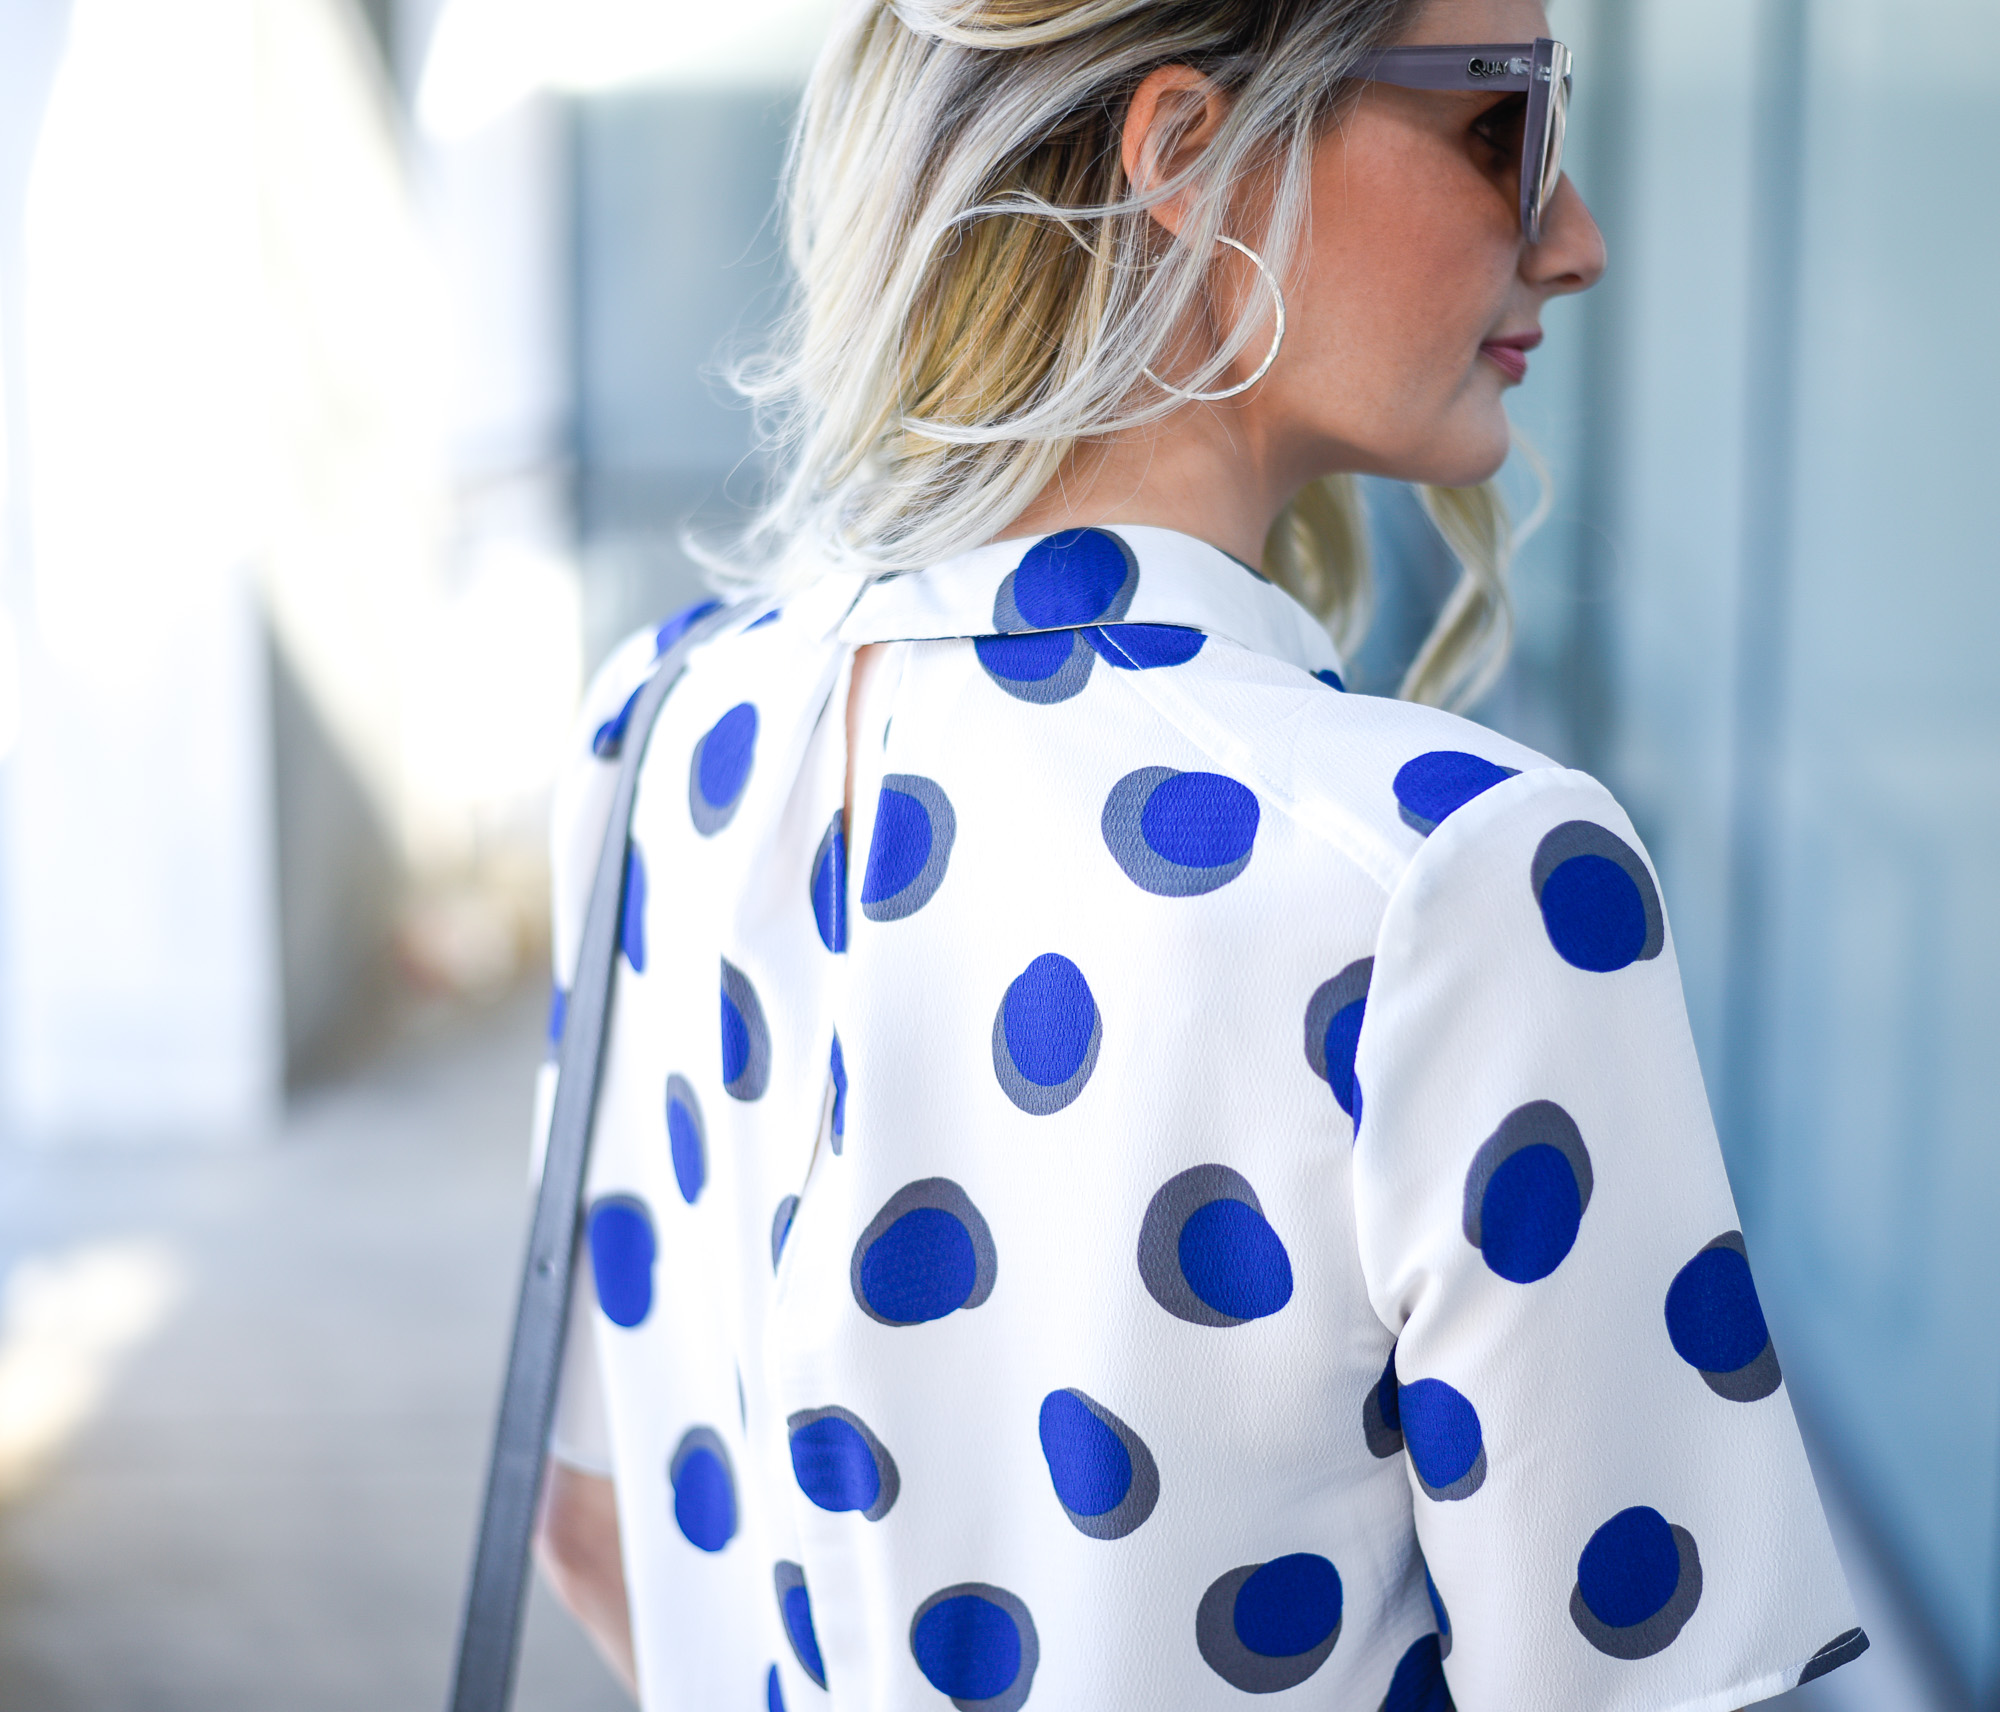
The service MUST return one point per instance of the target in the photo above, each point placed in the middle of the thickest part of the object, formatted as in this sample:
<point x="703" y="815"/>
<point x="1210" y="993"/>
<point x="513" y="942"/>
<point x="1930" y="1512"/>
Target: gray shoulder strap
<point x="489" y="1636"/>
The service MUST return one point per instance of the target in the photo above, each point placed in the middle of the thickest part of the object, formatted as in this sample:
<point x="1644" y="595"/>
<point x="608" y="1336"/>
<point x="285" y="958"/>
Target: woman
<point x="1219" y="1199"/>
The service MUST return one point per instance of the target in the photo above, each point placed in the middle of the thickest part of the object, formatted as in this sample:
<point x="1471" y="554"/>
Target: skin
<point x="1413" y="260"/>
<point x="577" y="1551"/>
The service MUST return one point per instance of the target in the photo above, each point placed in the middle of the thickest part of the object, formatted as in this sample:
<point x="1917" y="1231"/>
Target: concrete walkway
<point x="280" y="1365"/>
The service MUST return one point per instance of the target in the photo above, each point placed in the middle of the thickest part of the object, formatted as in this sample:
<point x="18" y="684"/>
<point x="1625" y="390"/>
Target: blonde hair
<point x="979" y="289"/>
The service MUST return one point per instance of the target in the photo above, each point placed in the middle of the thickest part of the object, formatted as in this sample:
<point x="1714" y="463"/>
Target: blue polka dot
<point x="719" y="771"/>
<point x="746" y="1039"/>
<point x="977" y="1646"/>
<point x="1594" y="914"/>
<point x="840" y="1464"/>
<point x="837" y="1070"/>
<point x="1597" y="897"/>
<point x="632" y="915"/>
<point x="1177" y="834"/>
<point x="1630" y="1568"/>
<point x="926" y="1254"/>
<point x="1436" y="785"/>
<point x="622" y="1252"/>
<point x="1091" y="1469"/>
<point x="1026" y="659"/>
<point x="1104" y="1475"/>
<point x="1234" y="1261"/>
<point x="1076" y="576"/>
<point x="558" y="1014"/>
<point x="1206" y="1253"/>
<point x="1717" y="1324"/>
<point x="910" y="847"/>
<point x="774" y="1696"/>
<point x="1288" y="1606"/>
<point x="781" y="1227"/>
<point x="686" y="1138"/>
<point x="922" y="1268"/>
<point x="1443" y="1616"/>
<point x="681" y="623"/>
<point x="795" y="1612"/>
<point x="1637" y="1583"/>
<point x="1532" y="1211"/>
<point x="1526" y="1192"/>
<point x="1046" y="1035"/>
<point x="1040" y="666"/>
<point x="1144" y="647"/>
<point x="1334" y="1016"/>
<point x="1419" y="1685"/>
<point x="1441" y="1431"/>
<point x="1267" y="1627"/>
<point x="1200" y="820"/>
<point x="1382" y="1412"/>
<point x="609" y="738"/>
<point x="704" y="1490"/>
<point x="1331" y="679"/>
<point x="828" y="888"/>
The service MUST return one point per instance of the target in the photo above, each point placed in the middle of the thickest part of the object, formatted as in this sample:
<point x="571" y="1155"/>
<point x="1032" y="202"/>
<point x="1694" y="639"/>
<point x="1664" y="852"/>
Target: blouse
<point x="1214" y="1197"/>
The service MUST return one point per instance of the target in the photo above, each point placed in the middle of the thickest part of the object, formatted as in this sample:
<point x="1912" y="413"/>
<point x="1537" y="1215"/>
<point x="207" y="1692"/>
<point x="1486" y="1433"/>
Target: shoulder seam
<point x="1372" y="855"/>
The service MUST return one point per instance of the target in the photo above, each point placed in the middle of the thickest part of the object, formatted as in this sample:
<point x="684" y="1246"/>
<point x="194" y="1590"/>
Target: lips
<point x="1510" y="356"/>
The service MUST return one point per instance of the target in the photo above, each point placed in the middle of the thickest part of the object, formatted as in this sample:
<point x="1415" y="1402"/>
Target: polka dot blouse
<point x="1202" y="1190"/>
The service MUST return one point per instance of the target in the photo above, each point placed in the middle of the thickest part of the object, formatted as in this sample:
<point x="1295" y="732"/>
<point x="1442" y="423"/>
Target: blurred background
<point x="357" y="377"/>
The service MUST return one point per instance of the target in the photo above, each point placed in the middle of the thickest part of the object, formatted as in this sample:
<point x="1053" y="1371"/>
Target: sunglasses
<point x="1540" y="69"/>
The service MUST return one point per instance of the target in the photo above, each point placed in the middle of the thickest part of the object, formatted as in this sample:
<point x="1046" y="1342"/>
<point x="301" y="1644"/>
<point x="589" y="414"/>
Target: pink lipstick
<point x="1510" y="355"/>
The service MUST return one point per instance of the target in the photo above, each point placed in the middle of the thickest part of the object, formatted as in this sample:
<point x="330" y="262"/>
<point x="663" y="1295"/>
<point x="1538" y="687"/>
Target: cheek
<point x="1405" y="274"/>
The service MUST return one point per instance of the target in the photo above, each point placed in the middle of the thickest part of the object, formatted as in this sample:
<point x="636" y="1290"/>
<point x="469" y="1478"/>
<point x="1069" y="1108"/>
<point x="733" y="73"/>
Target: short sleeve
<point x="581" y="1436"/>
<point x="1610" y="1492"/>
<point x="581" y="1433"/>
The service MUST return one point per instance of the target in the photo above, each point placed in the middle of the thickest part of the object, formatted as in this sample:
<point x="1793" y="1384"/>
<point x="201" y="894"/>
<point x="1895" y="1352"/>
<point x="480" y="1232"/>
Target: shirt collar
<point x="1133" y="574"/>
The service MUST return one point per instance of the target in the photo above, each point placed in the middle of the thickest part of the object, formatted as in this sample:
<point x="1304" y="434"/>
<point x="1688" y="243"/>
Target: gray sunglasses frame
<point x="1543" y="69"/>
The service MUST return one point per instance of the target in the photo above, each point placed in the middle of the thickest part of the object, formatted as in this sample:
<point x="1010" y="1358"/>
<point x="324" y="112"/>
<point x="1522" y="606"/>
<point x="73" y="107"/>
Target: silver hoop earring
<point x="1270" y="356"/>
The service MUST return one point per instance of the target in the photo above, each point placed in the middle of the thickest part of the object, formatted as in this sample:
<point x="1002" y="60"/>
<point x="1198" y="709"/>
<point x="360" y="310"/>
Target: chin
<point x="1465" y="455"/>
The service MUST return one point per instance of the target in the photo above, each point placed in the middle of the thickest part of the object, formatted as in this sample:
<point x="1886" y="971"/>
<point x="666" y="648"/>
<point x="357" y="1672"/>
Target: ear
<point x="1173" y="116"/>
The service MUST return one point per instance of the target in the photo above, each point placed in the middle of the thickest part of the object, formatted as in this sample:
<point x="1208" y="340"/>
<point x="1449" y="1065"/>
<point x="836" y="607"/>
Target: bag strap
<point x="489" y="1635"/>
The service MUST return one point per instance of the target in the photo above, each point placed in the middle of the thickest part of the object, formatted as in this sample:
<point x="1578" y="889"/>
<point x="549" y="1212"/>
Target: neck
<point x="1205" y="471"/>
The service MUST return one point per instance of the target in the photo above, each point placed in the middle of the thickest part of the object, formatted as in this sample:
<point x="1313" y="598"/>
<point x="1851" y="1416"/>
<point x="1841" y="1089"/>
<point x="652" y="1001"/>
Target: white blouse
<point x="1216" y="1198"/>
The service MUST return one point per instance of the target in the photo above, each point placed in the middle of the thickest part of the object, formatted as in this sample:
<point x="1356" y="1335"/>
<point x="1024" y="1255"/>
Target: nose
<point x="1570" y="257"/>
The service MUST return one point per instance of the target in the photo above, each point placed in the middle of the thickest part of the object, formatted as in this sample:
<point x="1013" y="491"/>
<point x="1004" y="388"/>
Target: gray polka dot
<point x="788" y="1579"/>
<point x="1587" y="838"/>
<point x="1381" y="1417"/>
<point x="1015" y="1694"/>
<point x="1539" y="1123"/>
<point x="1031" y="1096"/>
<point x="1178" y="1199"/>
<point x="903" y="1286"/>
<point x="885" y="1465"/>
<point x="1066" y="681"/>
<point x="746" y="1039"/>
<point x="1008" y="620"/>
<point x="1843" y="1649"/>
<point x="1131" y="1511"/>
<point x="888" y="894"/>
<point x="1124" y="835"/>
<point x="1657" y="1632"/>
<point x="1329" y="999"/>
<point x="781" y="1227"/>
<point x="1755" y="1381"/>
<point x="1225" y="1654"/>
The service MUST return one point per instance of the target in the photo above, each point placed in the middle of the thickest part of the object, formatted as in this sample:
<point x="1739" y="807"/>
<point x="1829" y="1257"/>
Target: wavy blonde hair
<point x="979" y="289"/>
